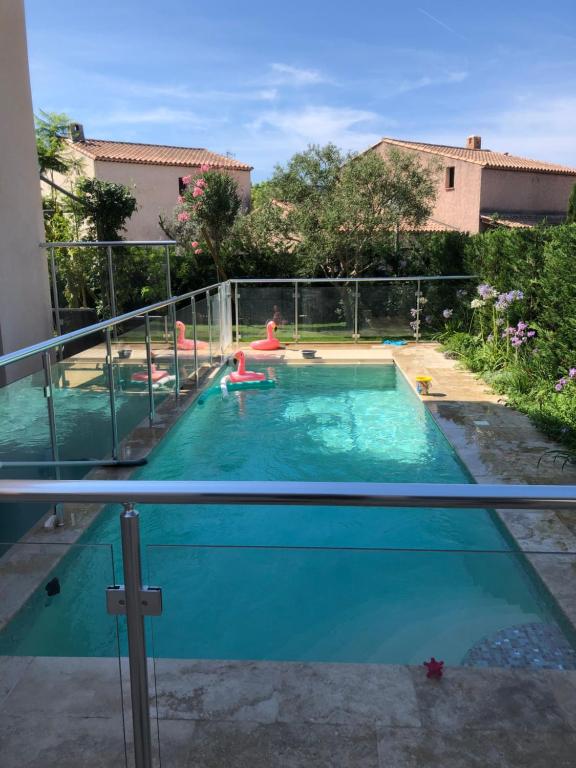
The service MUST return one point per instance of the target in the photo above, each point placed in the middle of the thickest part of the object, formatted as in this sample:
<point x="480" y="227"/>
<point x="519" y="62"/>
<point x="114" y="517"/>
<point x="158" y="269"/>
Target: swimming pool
<point x="309" y="583"/>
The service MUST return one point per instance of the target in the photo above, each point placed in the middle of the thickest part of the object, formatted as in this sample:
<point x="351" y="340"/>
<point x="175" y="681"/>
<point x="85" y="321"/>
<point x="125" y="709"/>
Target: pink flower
<point x="198" y="251"/>
<point x="180" y="199"/>
<point x="200" y="183"/>
<point x="184" y="216"/>
<point x="204" y="167"/>
<point x="197" y="192"/>
<point x="186" y="179"/>
<point x="194" y="244"/>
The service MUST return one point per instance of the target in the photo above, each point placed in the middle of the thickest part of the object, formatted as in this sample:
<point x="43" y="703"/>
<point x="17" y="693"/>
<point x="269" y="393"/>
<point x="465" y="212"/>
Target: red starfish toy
<point x="435" y="668"/>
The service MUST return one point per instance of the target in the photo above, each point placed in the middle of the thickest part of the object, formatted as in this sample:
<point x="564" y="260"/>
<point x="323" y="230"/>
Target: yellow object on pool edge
<point x="423" y="384"/>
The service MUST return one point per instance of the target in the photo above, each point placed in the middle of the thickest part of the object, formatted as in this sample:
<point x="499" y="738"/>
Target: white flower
<point x="423" y="301"/>
<point x="477" y="303"/>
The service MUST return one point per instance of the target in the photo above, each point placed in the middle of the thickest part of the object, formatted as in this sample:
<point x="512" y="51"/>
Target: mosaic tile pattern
<point x="530" y="646"/>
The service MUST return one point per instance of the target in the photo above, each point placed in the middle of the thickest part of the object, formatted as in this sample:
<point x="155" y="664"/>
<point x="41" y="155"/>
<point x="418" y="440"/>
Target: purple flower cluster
<point x="447" y="314"/>
<point x="414" y="325"/>
<point x="561" y="383"/>
<point x="486" y="291"/>
<point x="518" y="335"/>
<point x="505" y="299"/>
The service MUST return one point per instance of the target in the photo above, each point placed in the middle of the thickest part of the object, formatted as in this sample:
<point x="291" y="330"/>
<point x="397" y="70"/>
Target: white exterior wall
<point x="156" y="190"/>
<point x="25" y="307"/>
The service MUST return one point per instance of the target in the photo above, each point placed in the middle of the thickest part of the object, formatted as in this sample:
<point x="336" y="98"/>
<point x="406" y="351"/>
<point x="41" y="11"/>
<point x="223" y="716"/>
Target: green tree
<point x="51" y="133"/>
<point x="106" y="207"/>
<point x="345" y="211"/>
<point x="571" y="214"/>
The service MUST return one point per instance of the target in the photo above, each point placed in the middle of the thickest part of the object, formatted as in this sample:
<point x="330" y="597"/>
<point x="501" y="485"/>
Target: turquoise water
<point x="308" y="583"/>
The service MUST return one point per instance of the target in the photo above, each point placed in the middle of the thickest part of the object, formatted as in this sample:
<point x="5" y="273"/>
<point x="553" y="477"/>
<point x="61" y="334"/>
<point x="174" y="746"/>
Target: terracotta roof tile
<point x="155" y="154"/>
<point x="484" y="157"/>
<point x="515" y="220"/>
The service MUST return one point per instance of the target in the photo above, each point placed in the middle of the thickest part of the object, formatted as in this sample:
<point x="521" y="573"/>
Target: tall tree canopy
<point x="342" y="209"/>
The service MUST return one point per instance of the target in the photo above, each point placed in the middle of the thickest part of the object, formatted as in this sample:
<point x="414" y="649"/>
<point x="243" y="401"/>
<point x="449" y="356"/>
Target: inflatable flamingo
<point x="183" y="343"/>
<point x="242" y="374"/>
<point x="157" y="375"/>
<point x="270" y="342"/>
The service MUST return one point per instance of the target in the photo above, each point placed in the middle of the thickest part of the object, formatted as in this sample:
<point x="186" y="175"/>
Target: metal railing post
<point x="295" y="311"/>
<point x="168" y="277"/>
<point x="55" y="293"/>
<point x="112" y="393"/>
<point x="148" y="339"/>
<point x="175" y="342"/>
<point x="356" y="312"/>
<point x="209" y="315"/>
<point x="49" y="394"/>
<point x="111" y="281"/>
<point x="236" y="308"/>
<point x="418" y="310"/>
<point x="195" y="336"/>
<point x="130" y="532"/>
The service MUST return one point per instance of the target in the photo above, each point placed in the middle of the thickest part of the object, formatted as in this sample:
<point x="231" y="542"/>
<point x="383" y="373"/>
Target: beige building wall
<point x="525" y="192"/>
<point x="25" y="307"/>
<point x="156" y="190"/>
<point x="458" y="207"/>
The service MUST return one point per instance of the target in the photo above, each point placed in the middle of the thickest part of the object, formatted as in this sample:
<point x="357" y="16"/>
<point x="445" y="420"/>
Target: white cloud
<point x="157" y="116"/>
<point x="345" y="127"/>
<point x="533" y="127"/>
<point x="284" y="74"/>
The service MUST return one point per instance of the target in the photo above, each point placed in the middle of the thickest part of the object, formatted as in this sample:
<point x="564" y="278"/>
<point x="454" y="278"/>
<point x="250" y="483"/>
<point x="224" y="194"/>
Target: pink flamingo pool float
<point x="157" y="375"/>
<point x="270" y="342"/>
<point x="242" y="374"/>
<point x="183" y="343"/>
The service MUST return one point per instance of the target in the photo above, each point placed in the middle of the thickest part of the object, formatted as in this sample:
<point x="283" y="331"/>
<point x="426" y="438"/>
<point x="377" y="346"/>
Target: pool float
<point x="270" y="342"/>
<point x="183" y="343"/>
<point x="242" y="375"/>
<point x="157" y="375"/>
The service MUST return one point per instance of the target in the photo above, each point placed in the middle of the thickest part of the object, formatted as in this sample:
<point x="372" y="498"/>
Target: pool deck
<point x="65" y="713"/>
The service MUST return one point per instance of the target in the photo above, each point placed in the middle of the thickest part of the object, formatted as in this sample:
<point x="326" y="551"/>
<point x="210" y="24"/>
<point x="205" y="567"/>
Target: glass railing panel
<point x="258" y="304"/>
<point x="62" y="696"/>
<point x="24" y="437"/>
<point x="203" y="331"/>
<point x="445" y="303"/>
<point x="326" y="312"/>
<point x="255" y="638"/>
<point x="215" y="318"/>
<point x="193" y="351"/>
<point x="139" y="276"/>
<point x="386" y="310"/>
<point x="82" y="402"/>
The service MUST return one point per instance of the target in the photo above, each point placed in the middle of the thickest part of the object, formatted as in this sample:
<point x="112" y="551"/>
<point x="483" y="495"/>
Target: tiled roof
<point x="516" y="220"/>
<point x="484" y="157"/>
<point x="155" y="154"/>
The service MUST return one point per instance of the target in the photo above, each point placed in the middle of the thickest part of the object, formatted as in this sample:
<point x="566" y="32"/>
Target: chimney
<point x="474" y="142"/>
<point x="76" y="131"/>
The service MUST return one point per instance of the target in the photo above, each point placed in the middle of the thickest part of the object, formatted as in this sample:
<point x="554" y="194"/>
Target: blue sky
<point x="262" y="80"/>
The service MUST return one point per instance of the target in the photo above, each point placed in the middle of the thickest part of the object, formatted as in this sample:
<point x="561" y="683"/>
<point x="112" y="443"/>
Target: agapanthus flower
<point x="461" y="293"/>
<point x="413" y="312"/>
<point x="490" y="337"/>
<point x="486" y="291"/>
<point x="530" y="333"/>
<point x="560" y="384"/>
<point x="572" y="373"/>
<point x="423" y="301"/>
<point x="477" y="303"/>
<point x="414" y="325"/>
<point x="447" y="314"/>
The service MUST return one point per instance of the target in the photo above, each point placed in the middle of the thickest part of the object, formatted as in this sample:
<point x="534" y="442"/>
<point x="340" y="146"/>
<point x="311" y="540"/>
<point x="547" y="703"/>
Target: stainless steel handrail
<point x="349" y="280"/>
<point x="108" y="243"/>
<point x="57" y="341"/>
<point x="292" y="493"/>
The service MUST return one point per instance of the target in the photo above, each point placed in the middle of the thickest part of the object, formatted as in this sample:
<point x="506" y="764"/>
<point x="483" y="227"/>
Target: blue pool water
<point x="303" y="583"/>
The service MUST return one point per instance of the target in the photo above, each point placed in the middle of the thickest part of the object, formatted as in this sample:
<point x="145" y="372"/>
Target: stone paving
<point x="67" y="713"/>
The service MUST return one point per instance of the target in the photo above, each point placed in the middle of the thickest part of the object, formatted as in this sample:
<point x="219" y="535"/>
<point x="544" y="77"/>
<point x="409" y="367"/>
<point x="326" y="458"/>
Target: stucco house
<point x="152" y="171"/>
<point x="478" y="188"/>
